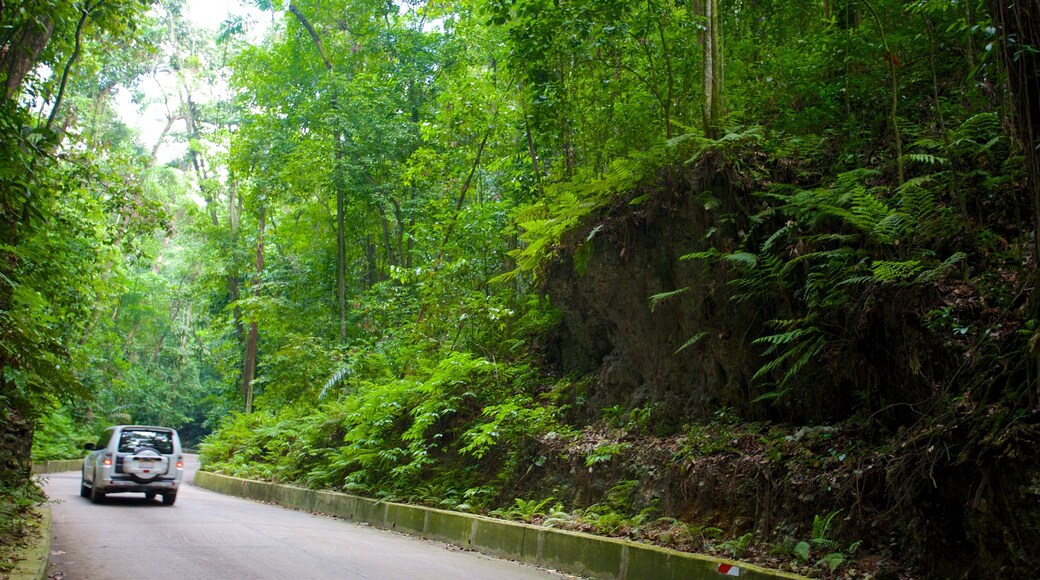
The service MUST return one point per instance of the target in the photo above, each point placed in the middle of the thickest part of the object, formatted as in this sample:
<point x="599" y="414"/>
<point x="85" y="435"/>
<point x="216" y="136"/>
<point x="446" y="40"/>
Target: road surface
<point x="207" y="535"/>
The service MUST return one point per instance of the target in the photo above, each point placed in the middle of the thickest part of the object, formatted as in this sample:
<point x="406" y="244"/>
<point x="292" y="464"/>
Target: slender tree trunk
<point x="341" y="247"/>
<point x="893" y="113"/>
<point x="388" y="238"/>
<point x="338" y="178"/>
<point x="249" y="361"/>
<point x="531" y="151"/>
<point x="710" y="67"/>
<point x="162" y="137"/>
<point x="1018" y="22"/>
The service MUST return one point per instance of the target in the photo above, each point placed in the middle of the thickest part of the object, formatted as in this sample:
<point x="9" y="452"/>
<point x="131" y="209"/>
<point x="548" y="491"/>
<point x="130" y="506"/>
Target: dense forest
<point x="745" y="277"/>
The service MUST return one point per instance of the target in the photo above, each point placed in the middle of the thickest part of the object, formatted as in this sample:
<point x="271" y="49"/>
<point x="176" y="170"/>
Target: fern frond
<point x="938" y="272"/>
<point x="745" y="259"/>
<point x="890" y="228"/>
<point x="658" y="298"/>
<point x="692" y="341"/>
<point x="787" y="229"/>
<point x="337" y="377"/>
<point x="711" y="254"/>
<point x="886" y="271"/>
<point x="925" y="158"/>
<point x="821" y="526"/>
<point x="810" y="351"/>
<point x="784" y="337"/>
<point x="802" y="352"/>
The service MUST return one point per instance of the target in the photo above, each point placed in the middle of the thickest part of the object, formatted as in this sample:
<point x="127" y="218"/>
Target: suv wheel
<point x="95" y="495"/>
<point x="169" y="498"/>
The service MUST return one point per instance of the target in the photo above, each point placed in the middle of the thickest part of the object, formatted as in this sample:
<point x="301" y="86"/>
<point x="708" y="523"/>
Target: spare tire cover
<point x="145" y="464"/>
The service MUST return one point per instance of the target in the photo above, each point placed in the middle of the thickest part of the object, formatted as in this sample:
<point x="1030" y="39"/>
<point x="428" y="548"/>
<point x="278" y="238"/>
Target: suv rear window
<point x="161" y="441"/>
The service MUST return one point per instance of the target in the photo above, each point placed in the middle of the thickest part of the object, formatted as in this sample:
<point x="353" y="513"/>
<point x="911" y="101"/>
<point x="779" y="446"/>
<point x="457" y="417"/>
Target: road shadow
<point x="124" y="500"/>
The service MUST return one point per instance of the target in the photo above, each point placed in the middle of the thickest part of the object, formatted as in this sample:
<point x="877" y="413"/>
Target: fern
<point x="337" y="377"/>
<point x="604" y="453"/>
<point x="660" y="297"/>
<point x="942" y="270"/>
<point x="885" y="271"/>
<point x="821" y="529"/>
<point x="692" y="341"/>
<point x="543" y="224"/>
<point x="925" y="158"/>
<point x="524" y="510"/>
<point x="709" y="255"/>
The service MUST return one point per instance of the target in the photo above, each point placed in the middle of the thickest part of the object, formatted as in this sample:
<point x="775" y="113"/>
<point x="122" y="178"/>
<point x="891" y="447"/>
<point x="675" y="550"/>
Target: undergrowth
<point x="449" y="435"/>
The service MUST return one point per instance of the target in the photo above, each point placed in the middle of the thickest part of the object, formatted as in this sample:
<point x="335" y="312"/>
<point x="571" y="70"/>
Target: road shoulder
<point x="32" y="560"/>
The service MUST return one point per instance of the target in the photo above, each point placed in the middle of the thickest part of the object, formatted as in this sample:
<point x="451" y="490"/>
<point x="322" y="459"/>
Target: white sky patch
<point x="210" y="14"/>
<point x="150" y="116"/>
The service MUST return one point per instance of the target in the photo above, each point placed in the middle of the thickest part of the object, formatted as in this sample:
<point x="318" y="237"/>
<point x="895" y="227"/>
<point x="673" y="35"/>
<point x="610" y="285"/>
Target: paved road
<point x="207" y="535"/>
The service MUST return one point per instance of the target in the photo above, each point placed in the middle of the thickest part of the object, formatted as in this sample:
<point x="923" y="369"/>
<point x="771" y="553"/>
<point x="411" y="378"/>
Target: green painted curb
<point x="572" y="552"/>
<point x="33" y="562"/>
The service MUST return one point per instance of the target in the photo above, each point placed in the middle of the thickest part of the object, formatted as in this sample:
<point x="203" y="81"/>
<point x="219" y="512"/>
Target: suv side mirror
<point x="88" y="446"/>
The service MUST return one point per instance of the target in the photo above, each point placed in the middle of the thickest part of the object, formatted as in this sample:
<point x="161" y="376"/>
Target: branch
<point x="86" y="10"/>
<point x="314" y="36"/>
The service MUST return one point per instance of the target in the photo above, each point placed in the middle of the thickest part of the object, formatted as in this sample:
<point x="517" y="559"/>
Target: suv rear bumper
<point x="121" y="485"/>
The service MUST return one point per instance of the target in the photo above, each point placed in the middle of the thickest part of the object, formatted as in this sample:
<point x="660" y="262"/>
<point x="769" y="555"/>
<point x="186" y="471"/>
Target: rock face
<point x="957" y="485"/>
<point x="879" y="356"/>
<point x="612" y="328"/>
<point x="15" y="447"/>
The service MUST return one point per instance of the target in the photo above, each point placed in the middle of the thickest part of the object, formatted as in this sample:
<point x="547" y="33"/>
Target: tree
<point x="44" y="189"/>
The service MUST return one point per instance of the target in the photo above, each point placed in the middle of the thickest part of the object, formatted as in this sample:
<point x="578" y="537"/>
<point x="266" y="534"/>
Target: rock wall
<point x="16" y="434"/>
<point x="611" y="328"/>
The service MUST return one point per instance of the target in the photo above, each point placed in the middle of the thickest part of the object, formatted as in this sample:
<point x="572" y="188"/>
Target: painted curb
<point x="33" y="565"/>
<point x="34" y="559"/>
<point x="573" y="552"/>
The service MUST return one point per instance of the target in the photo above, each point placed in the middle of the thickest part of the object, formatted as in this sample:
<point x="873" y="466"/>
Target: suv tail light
<point x="180" y="462"/>
<point x="107" y="460"/>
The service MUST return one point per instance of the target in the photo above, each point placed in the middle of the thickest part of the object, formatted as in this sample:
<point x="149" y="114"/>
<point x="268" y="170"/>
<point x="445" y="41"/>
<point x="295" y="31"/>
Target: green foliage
<point x="736" y="547"/>
<point x="464" y="158"/>
<point x="61" y="435"/>
<point x="826" y="550"/>
<point x="605" y="453"/>
<point x="825" y="250"/>
<point x="635" y="421"/>
<point x="527" y="510"/>
<point x="544" y="224"/>
<point x="399" y="437"/>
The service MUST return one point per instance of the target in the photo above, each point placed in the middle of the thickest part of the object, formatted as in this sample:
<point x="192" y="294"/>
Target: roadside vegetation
<point x="755" y="279"/>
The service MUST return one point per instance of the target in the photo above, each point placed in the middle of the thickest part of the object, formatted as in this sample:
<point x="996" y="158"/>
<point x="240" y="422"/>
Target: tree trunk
<point x="893" y="113"/>
<point x="341" y="247"/>
<point x="1018" y="23"/>
<point x="711" y="68"/>
<point x="249" y="361"/>
<point x="338" y="181"/>
<point x="24" y="51"/>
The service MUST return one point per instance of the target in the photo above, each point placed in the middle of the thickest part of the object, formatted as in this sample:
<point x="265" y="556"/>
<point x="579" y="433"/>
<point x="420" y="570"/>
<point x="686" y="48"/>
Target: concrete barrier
<point x="572" y="552"/>
<point x="57" y="466"/>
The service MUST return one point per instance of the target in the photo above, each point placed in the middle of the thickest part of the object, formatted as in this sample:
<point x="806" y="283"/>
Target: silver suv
<point x="134" y="458"/>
